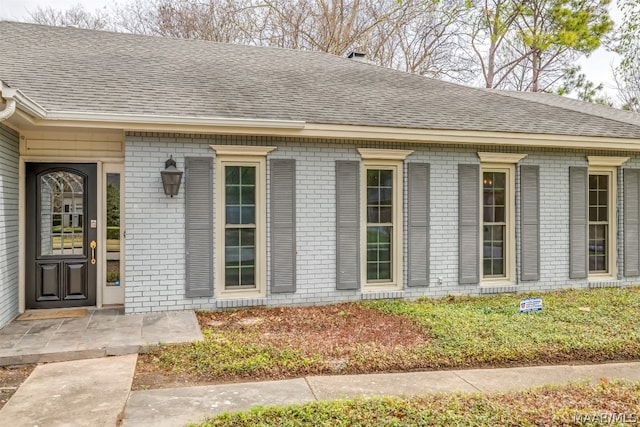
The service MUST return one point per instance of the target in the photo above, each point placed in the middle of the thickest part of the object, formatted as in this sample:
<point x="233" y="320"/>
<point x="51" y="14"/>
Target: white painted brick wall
<point x="155" y="223"/>
<point x="8" y="225"/>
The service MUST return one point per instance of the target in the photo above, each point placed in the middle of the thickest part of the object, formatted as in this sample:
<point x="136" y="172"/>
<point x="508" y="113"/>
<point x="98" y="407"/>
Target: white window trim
<point x="507" y="158"/>
<point x="239" y="158"/>
<point x="501" y="162"/>
<point x="606" y="161"/>
<point x="241" y="150"/>
<point x="398" y="226"/>
<point x="612" y="246"/>
<point x="383" y="154"/>
<point x="510" y="227"/>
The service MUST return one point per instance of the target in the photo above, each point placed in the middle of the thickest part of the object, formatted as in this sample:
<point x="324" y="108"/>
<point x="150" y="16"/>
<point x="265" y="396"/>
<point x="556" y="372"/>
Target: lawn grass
<point x="575" y="404"/>
<point x="594" y="325"/>
<point x="455" y="332"/>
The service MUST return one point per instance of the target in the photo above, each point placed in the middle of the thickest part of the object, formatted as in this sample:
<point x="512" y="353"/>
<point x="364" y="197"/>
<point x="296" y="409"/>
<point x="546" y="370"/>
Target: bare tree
<point x="75" y="16"/>
<point x="426" y="39"/>
<point x="627" y="45"/>
<point x="332" y="26"/>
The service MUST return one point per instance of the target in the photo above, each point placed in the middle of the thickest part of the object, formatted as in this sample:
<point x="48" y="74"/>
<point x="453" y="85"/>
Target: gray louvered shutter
<point x="347" y="224"/>
<point x="578" y="222"/>
<point x="631" y="222"/>
<point x="283" y="225"/>
<point x="199" y="226"/>
<point x="469" y="223"/>
<point x="530" y="222"/>
<point x="418" y="227"/>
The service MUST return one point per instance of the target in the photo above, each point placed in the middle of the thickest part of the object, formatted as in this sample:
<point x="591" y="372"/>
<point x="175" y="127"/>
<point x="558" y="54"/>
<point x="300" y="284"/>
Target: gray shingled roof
<point x="76" y="70"/>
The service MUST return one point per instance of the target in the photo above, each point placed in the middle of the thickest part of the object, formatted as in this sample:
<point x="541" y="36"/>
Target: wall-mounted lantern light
<point x="171" y="178"/>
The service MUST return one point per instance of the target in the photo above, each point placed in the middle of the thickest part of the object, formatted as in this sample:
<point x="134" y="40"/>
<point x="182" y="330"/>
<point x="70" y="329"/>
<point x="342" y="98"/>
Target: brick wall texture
<point x="155" y="243"/>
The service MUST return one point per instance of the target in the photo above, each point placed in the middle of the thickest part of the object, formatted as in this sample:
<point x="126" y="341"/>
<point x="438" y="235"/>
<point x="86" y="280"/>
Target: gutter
<point x="9" y="95"/>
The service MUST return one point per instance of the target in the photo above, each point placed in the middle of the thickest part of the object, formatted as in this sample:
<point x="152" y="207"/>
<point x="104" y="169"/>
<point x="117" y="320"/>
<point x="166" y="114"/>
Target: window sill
<point x="249" y="293"/>
<point x="601" y="277"/>
<point x="380" y="287"/>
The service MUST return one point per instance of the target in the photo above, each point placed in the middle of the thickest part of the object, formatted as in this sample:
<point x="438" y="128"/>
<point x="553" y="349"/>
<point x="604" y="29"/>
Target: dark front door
<point x="61" y="235"/>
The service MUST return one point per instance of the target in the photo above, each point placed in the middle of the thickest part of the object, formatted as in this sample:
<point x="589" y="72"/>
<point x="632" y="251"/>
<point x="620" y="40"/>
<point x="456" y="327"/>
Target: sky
<point x="597" y="67"/>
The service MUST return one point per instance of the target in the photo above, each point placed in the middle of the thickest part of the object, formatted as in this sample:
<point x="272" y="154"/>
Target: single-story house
<point x="307" y="178"/>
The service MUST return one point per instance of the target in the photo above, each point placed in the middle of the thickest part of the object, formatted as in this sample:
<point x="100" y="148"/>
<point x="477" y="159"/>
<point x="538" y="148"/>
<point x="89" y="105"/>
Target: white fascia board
<point x="173" y="120"/>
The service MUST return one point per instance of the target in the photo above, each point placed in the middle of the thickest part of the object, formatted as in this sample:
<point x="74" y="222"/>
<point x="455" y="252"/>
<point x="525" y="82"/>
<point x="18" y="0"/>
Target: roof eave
<point x="38" y="116"/>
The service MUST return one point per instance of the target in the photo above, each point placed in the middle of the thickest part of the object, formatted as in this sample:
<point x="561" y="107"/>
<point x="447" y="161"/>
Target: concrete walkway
<point x="78" y="393"/>
<point x="105" y="332"/>
<point x="177" y="407"/>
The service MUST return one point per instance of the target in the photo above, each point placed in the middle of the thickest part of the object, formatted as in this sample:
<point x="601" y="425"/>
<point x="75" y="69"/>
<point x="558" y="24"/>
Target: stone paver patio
<point x="100" y="333"/>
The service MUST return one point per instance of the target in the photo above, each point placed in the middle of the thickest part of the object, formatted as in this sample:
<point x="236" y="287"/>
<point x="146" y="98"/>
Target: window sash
<point x="240" y="253"/>
<point x="380" y="218"/>
<point x="495" y="215"/>
<point x="599" y="239"/>
<point x="380" y="183"/>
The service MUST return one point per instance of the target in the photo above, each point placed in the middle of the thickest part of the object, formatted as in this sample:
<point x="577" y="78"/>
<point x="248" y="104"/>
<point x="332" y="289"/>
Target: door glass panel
<point x="113" y="229"/>
<point x="61" y="213"/>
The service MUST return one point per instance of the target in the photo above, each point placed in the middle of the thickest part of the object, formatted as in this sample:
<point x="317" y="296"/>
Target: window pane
<point x="386" y="215"/>
<point x="248" y="195"/>
<point x="602" y="213"/>
<point x="232" y="175"/>
<point x="384" y="271"/>
<point x="488" y="214"/>
<point x="231" y="256"/>
<point x="232" y="196"/>
<point x="112" y="261"/>
<point x="248" y="215"/>
<point x="248" y="175"/>
<point x="248" y="237"/>
<point x="231" y="277"/>
<point x="373" y="178"/>
<point x="386" y="178"/>
<point x="61" y="210"/>
<point x="247" y="256"/>
<point x="373" y="215"/>
<point x="232" y="237"/>
<point x="233" y="214"/>
<point x="603" y="197"/>
<point x="247" y="276"/>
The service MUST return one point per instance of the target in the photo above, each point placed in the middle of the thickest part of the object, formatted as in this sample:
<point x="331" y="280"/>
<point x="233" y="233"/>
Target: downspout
<point x="9" y="95"/>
